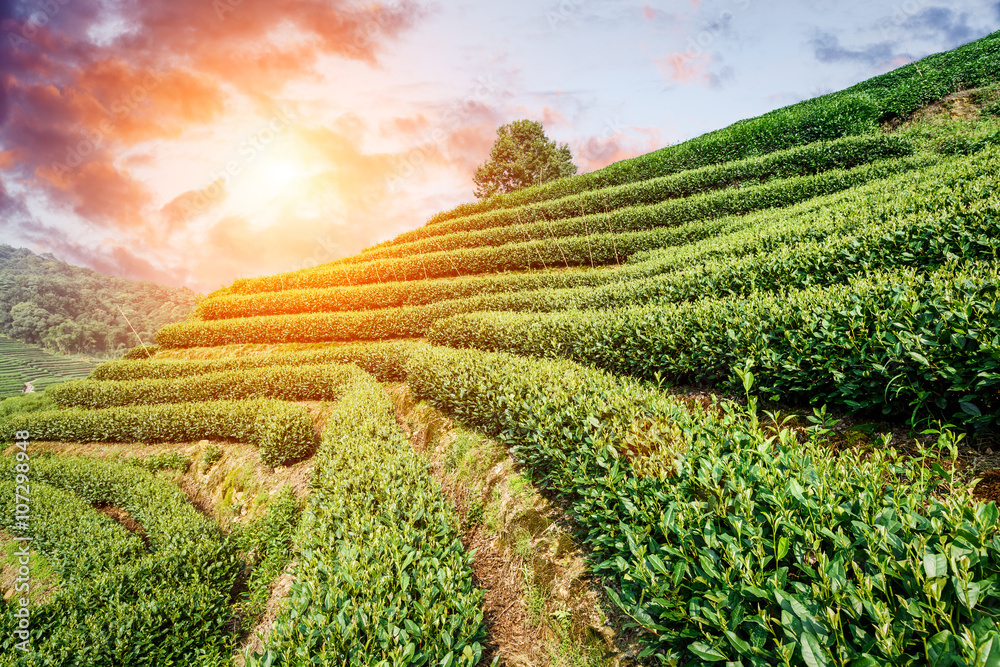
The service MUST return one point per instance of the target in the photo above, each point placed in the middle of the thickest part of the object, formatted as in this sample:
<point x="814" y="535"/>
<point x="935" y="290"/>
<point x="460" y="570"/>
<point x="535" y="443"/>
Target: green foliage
<point x="752" y="548"/>
<point x="289" y="383"/>
<point x="413" y="293"/>
<point x="21" y="363"/>
<point x="521" y="156"/>
<point x="164" y="461"/>
<point x="210" y="457"/>
<point x="516" y="247"/>
<point x="802" y="161"/>
<point x="853" y="111"/>
<point x="25" y="403"/>
<point x="124" y="599"/>
<point x="383" y="360"/>
<point x="670" y="213"/>
<point x="381" y="575"/>
<point x="907" y="344"/>
<point x="141" y="352"/>
<point x="943" y="213"/>
<point x="72" y="310"/>
<point x="856" y="209"/>
<point x="270" y="546"/>
<point x="283" y="431"/>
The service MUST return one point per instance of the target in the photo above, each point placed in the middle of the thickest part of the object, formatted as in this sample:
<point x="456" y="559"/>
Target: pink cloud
<point x="685" y="67"/>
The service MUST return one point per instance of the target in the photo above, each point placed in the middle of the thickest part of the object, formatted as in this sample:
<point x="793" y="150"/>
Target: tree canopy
<point x="521" y="156"/>
<point x="72" y="310"/>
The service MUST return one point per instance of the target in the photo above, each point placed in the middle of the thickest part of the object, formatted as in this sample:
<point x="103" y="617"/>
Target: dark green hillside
<point x="72" y="310"/>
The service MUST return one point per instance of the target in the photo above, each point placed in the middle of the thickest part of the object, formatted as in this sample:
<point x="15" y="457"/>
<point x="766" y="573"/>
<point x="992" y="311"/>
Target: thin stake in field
<point x="453" y="265"/>
<point x="614" y="244"/>
<point x="524" y="229"/>
<point x="344" y="268"/>
<point x="587" y="228"/>
<point x="148" y="355"/>
<point x="566" y="282"/>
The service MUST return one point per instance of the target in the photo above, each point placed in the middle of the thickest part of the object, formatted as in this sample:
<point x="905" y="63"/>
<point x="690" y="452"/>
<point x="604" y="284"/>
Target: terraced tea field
<point x="21" y="363"/>
<point x="727" y="403"/>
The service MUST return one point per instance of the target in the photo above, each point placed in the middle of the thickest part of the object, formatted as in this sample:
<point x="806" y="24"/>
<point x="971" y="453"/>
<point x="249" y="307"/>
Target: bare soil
<point x="254" y="641"/>
<point x="541" y="606"/>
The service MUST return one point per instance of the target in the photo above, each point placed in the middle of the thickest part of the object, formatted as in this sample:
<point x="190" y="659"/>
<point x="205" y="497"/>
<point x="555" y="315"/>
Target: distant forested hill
<point x="70" y="309"/>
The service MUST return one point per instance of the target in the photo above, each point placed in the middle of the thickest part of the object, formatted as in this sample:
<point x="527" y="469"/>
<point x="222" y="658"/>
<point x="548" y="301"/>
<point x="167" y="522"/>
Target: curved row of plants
<point x="619" y="253"/>
<point x="857" y="110"/>
<point x="119" y="599"/>
<point x="315" y="382"/>
<point x="731" y="235"/>
<point x="908" y="344"/>
<point x="282" y="431"/>
<point x="865" y="208"/>
<point x="802" y="161"/>
<point x="671" y="213"/>
<point x="727" y="542"/>
<point x="517" y="248"/>
<point x="905" y="229"/>
<point x="381" y="577"/>
<point x="385" y="360"/>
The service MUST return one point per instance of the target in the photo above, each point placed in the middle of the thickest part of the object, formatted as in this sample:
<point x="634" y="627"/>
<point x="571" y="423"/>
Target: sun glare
<point x="271" y="176"/>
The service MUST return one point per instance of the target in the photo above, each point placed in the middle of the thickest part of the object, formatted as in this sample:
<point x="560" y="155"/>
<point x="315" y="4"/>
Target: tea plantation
<point x="21" y="363"/>
<point x="663" y="346"/>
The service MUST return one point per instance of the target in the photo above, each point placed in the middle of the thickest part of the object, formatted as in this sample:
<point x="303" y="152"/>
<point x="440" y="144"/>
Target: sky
<point x="193" y="142"/>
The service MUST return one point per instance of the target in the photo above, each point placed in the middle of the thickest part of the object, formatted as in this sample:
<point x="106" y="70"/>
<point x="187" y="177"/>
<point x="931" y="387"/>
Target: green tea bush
<point x="907" y="344"/>
<point x="123" y="599"/>
<point x="754" y="548"/>
<point x="140" y="352"/>
<point x="516" y="247"/>
<point x="25" y="403"/>
<point x="381" y="577"/>
<point x="79" y="541"/>
<point x="896" y="201"/>
<point x="283" y="431"/>
<point x="164" y="461"/>
<point x="270" y="544"/>
<point x="946" y="213"/>
<point x="804" y="161"/>
<point x="384" y="360"/>
<point x="289" y="383"/>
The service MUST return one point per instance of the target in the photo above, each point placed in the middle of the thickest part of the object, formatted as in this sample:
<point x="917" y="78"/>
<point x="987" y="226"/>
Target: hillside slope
<point x="72" y="310"/>
<point x="618" y="333"/>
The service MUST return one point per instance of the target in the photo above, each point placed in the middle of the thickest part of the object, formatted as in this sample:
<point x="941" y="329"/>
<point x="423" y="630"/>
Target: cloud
<point x="113" y="257"/>
<point x="827" y="49"/>
<point x="89" y="91"/>
<point x="685" y="67"/>
<point x="649" y="12"/>
<point x="192" y="204"/>
<point x="616" y="143"/>
<point x="942" y="23"/>
<point x="10" y="207"/>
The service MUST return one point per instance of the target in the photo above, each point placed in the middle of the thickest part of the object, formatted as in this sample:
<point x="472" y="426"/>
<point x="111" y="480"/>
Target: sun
<point x="282" y="172"/>
<point x="268" y="178"/>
